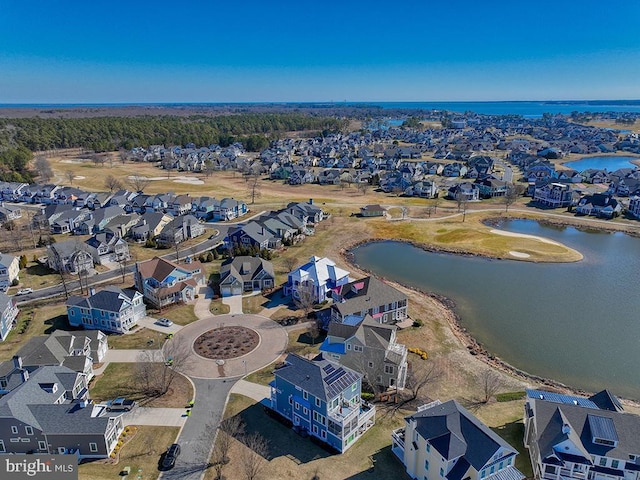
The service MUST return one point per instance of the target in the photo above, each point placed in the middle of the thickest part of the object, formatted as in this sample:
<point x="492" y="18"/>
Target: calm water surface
<point x="610" y="164"/>
<point x="578" y="323"/>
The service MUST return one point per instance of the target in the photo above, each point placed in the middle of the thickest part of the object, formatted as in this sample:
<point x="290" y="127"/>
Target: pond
<point x="609" y="163"/>
<point x="578" y="323"/>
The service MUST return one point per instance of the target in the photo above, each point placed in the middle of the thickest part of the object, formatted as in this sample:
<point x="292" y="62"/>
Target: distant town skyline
<point x="286" y="51"/>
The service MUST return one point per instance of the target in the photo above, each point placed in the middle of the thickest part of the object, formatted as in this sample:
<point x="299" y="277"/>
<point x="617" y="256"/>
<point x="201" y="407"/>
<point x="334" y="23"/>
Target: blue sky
<point x="56" y="51"/>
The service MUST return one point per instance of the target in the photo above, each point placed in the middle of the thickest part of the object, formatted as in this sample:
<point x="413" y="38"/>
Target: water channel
<point x="578" y="323"/>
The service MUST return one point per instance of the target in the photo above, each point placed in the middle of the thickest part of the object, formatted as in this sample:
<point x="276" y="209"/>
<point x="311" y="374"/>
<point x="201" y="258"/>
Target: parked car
<point x="171" y="456"/>
<point x="120" y="404"/>
<point x="165" y="322"/>
<point x="24" y="291"/>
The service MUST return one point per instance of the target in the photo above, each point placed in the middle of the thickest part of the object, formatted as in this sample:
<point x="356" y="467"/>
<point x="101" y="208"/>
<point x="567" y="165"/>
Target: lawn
<point x="119" y="380"/>
<point x="253" y="304"/>
<point x="219" y="308"/>
<point x="142" y="453"/>
<point x="182" y="314"/>
<point x="290" y="456"/>
<point x="142" y="338"/>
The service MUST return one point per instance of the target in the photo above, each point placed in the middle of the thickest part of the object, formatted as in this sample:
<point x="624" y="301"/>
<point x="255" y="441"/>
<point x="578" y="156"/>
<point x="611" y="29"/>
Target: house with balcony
<point x="555" y="194"/>
<point x="577" y="438"/>
<point x="8" y="314"/>
<point x="368" y="296"/>
<point x="369" y="348"/>
<point x="322" y="398"/>
<point x="599" y="205"/>
<point x="70" y="256"/>
<point x="107" y="247"/>
<point x="445" y="440"/>
<point x="179" y="230"/>
<point x="163" y="283"/>
<point x="48" y="411"/>
<point x="109" y="310"/>
<point x="319" y="275"/>
<point x="228" y="209"/>
<point x="9" y="270"/>
<point x="634" y="206"/>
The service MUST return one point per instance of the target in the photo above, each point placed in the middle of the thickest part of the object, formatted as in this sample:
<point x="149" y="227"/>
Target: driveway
<point x="163" y="417"/>
<point x="235" y="304"/>
<point x="150" y="323"/>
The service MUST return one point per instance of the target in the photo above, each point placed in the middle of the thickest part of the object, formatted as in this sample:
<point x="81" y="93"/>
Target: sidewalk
<point x="259" y="393"/>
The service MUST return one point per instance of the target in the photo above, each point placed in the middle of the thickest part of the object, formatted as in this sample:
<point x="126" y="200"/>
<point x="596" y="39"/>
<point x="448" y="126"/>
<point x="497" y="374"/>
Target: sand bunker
<point x="191" y="181"/>
<point x="79" y="177"/>
<point x="518" y="254"/>
<point x="524" y="235"/>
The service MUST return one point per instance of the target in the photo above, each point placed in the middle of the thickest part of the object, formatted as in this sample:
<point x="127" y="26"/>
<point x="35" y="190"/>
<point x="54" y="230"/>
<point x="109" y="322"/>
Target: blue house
<point x="322" y="398"/>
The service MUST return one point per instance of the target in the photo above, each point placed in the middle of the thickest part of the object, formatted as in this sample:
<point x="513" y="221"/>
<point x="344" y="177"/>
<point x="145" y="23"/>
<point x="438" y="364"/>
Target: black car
<point x="171" y="456"/>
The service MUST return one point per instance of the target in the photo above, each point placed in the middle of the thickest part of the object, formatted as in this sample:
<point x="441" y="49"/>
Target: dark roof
<point x="320" y="377"/>
<point x="605" y="400"/>
<point x="361" y="295"/>
<point x="454" y="432"/>
<point x="110" y="299"/>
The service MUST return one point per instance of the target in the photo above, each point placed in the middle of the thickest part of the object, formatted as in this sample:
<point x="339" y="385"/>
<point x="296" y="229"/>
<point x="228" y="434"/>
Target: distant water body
<point x="528" y="109"/>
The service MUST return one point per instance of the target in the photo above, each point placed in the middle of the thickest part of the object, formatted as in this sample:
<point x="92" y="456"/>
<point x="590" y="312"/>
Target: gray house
<point x="370" y="296"/>
<point x="245" y="274"/>
<point x="370" y="348"/>
<point x="48" y="411"/>
<point x="70" y="256"/>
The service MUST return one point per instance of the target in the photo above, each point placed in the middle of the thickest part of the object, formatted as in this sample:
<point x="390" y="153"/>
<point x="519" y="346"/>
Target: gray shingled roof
<point x="320" y="377"/>
<point x="109" y="299"/>
<point x="454" y="432"/>
<point x="237" y="267"/>
<point x="372" y="293"/>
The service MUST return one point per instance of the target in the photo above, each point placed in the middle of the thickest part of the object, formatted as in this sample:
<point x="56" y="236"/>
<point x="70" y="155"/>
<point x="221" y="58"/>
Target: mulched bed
<point x="226" y="342"/>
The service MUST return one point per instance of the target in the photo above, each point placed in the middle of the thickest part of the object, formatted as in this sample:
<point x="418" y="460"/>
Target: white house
<point x="9" y="270"/>
<point x="320" y="275"/>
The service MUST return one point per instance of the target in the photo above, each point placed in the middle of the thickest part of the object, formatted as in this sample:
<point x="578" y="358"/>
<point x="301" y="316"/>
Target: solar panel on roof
<point x="329" y="379"/>
<point x="328" y="368"/>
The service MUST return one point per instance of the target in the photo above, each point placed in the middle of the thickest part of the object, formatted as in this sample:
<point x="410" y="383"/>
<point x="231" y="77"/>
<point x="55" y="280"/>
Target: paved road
<point x="198" y="433"/>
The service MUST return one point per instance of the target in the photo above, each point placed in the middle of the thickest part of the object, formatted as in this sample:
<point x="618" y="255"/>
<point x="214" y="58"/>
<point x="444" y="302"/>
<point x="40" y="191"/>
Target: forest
<point x="21" y="136"/>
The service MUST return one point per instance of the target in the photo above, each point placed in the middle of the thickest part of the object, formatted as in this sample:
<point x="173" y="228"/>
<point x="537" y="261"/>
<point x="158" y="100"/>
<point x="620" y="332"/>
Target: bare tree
<point x="70" y="176"/>
<point x="464" y="210"/>
<point x="112" y="183"/>
<point x="43" y="168"/>
<point x="405" y="212"/>
<point x="123" y="154"/>
<point x="167" y="164"/>
<point x="138" y="183"/>
<point x="306" y="298"/>
<point x="123" y="263"/>
<point x="98" y="159"/>
<point x="419" y="375"/>
<point x="157" y="377"/>
<point x="511" y="195"/>
<point x="252" y="458"/>
<point x="490" y="383"/>
<point x="230" y="428"/>
<point x="57" y="263"/>
<point x="314" y="330"/>
<point x="290" y="263"/>
<point x="253" y="188"/>
<point x="363" y="187"/>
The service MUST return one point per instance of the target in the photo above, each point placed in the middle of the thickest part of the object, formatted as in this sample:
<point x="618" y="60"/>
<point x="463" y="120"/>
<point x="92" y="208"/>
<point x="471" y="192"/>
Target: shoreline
<point x="463" y="336"/>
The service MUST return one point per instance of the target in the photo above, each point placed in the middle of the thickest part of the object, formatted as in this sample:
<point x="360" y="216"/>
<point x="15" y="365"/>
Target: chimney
<point x="17" y="362"/>
<point x="92" y="292"/>
<point x="311" y="201"/>
<point x="24" y="374"/>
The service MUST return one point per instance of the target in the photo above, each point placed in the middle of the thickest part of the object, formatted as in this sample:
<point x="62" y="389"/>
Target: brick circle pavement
<point x="273" y="341"/>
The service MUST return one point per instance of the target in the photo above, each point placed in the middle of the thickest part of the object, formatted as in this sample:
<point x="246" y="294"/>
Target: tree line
<point x="102" y="134"/>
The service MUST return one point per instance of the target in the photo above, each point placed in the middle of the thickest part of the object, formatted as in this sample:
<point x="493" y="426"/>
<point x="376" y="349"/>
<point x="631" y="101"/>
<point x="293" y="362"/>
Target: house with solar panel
<point x="322" y="399"/>
<point x="571" y="437"/>
<point x="446" y="441"/>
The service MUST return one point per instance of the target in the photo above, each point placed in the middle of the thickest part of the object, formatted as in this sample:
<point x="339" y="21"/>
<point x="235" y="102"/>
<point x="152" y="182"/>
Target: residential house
<point x="180" y="205"/>
<point x="97" y="200"/>
<point x="8" y="314"/>
<point x="70" y="256"/>
<point x="252" y="235"/>
<point x="599" y="205"/>
<point x="444" y="440"/>
<point x="370" y="296"/>
<point x="555" y="195"/>
<point x="229" y="209"/>
<point x="422" y="189"/>
<point x="491" y="187"/>
<point x="634" y="206"/>
<point x="162" y="282"/>
<point x="179" y="230"/>
<point x="121" y="225"/>
<point x="109" y="310"/>
<point x="149" y="225"/>
<point x="370" y="348"/>
<point x="107" y="247"/>
<point x="48" y="411"/>
<point x="318" y="277"/>
<point x="595" y="176"/>
<point x="307" y="212"/>
<point x="571" y="437"/>
<point x="465" y="192"/>
<point x="69" y="220"/>
<point x="99" y="219"/>
<point x="245" y="274"/>
<point x="9" y="270"/>
<point x="9" y="213"/>
<point x="322" y="398"/>
<point x="373" y="211"/>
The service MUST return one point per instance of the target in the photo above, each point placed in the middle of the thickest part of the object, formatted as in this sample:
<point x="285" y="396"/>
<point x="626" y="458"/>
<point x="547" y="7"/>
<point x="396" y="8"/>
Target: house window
<point x="428" y="447"/>
<point x="323" y="434"/>
<point x="297" y="406"/>
<point x="318" y="402"/>
<point x="2" y="449"/>
<point x="14" y="429"/>
<point x="426" y="465"/>
<point x="305" y="410"/>
<point x="348" y="346"/>
<point x="388" y="369"/>
<point x="315" y="429"/>
<point x="93" y="447"/>
<point x="290" y="400"/>
<point x="603" y="461"/>
<point x="28" y="430"/>
<point x="42" y="445"/>
<point x="305" y="395"/>
<point x="354" y="387"/>
<point x="614" y="463"/>
<point x="357" y="348"/>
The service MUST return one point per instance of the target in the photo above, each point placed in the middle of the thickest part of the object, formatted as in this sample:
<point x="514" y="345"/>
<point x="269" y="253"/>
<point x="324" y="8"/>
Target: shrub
<point x="417" y="323"/>
<point x="14" y="282"/>
<point x="367" y="396"/>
